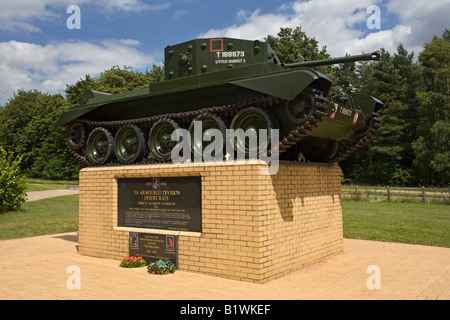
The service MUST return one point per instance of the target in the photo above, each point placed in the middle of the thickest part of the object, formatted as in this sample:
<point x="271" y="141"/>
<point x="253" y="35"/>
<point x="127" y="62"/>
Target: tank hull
<point x="224" y="87"/>
<point x="136" y="127"/>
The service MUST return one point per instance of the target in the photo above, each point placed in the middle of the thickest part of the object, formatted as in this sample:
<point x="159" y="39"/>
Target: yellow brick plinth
<point x="255" y="227"/>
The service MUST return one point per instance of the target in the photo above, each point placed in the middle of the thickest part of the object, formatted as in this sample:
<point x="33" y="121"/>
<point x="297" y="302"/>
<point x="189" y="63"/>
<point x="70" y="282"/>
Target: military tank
<point x="226" y="84"/>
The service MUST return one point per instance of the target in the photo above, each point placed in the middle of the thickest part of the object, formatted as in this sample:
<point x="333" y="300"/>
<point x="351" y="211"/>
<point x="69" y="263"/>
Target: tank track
<point x="289" y="140"/>
<point x="370" y="134"/>
<point x="297" y="134"/>
<point x="182" y="117"/>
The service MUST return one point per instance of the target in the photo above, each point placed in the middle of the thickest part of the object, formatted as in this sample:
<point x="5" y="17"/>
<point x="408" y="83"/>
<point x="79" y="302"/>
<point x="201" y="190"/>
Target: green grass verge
<point x="414" y="223"/>
<point x="39" y="184"/>
<point x="53" y="215"/>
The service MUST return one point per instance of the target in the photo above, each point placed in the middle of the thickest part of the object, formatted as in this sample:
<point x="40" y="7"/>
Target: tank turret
<point x="211" y="55"/>
<point x="224" y="84"/>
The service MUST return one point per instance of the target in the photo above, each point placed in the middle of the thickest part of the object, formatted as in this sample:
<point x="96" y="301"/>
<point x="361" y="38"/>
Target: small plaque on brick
<point x="172" y="203"/>
<point x="153" y="247"/>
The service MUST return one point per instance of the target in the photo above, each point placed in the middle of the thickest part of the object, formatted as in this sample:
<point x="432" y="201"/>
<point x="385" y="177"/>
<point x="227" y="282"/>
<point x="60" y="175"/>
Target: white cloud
<point x="341" y="24"/>
<point x="50" y="67"/>
<point x="125" y="5"/>
<point x="330" y="22"/>
<point x="15" y="14"/>
<point x="21" y="15"/>
<point x="179" y="13"/>
<point x="424" y="18"/>
<point x="252" y="26"/>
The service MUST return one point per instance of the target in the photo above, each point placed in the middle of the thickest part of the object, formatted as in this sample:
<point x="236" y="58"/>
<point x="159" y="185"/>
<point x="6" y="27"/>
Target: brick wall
<point x="254" y="227"/>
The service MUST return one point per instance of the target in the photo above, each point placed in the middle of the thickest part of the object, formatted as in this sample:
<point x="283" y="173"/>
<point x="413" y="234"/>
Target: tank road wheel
<point x="129" y="144"/>
<point x="301" y="108"/>
<point x="251" y="120"/>
<point x="100" y="146"/>
<point x="318" y="150"/>
<point x="209" y="121"/>
<point x="159" y="141"/>
<point x="76" y="135"/>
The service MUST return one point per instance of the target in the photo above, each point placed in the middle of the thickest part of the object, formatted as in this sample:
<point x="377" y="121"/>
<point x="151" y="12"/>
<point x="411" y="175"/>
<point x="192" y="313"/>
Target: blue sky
<point x="38" y="51"/>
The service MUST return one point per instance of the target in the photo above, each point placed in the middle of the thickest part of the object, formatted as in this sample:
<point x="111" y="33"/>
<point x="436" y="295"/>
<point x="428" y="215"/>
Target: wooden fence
<point x="388" y="193"/>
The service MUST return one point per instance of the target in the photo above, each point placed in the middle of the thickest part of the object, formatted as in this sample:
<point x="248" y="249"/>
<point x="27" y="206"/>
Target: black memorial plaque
<point x="153" y="247"/>
<point x="160" y="203"/>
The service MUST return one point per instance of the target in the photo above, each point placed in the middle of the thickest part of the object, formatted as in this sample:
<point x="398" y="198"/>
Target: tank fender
<point x="93" y="94"/>
<point x="368" y="104"/>
<point x="93" y="100"/>
<point x="286" y="85"/>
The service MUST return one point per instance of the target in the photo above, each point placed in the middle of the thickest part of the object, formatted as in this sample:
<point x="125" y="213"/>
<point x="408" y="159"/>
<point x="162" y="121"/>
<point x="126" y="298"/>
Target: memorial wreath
<point x="161" y="267"/>
<point x="133" y="262"/>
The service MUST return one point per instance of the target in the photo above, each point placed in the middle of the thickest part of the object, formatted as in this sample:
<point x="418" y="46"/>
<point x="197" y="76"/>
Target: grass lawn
<point x="39" y="185"/>
<point x="53" y="215"/>
<point x="406" y="222"/>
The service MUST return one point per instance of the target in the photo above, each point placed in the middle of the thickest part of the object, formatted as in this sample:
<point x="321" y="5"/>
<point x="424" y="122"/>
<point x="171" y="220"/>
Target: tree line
<point x="411" y="149"/>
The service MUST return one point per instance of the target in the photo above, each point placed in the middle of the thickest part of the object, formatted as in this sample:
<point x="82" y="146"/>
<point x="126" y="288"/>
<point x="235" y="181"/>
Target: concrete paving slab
<point x="46" y="267"/>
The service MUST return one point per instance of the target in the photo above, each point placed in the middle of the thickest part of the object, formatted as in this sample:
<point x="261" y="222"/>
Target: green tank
<point x="226" y="84"/>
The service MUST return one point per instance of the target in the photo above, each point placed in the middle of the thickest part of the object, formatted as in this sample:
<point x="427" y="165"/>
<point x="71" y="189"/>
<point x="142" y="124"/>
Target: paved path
<point x="36" y="268"/>
<point x="39" y="195"/>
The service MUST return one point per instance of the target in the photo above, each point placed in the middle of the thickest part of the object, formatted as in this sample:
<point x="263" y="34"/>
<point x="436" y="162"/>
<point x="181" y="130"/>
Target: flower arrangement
<point x="133" y="262"/>
<point x="161" y="267"/>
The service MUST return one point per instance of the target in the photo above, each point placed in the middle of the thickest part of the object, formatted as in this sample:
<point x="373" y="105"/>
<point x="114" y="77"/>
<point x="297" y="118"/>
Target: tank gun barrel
<point x="324" y="62"/>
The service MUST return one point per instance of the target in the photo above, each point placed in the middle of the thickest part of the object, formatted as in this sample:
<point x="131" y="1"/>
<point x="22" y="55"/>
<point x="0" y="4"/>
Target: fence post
<point x="356" y="191"/>
<point x="388" y="194"/>
<point x="423" y="194"/>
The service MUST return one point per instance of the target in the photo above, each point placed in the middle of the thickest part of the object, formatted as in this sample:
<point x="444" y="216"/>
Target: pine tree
<point x="432" y="147"/>
<point x="293" y="45"/>
<point x="386" y="152"/>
